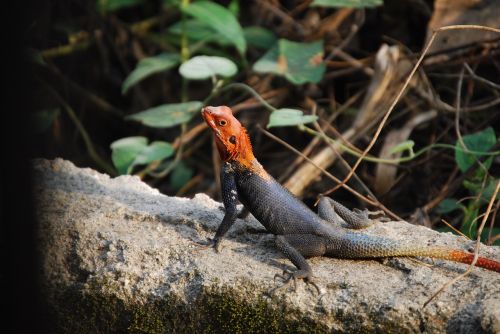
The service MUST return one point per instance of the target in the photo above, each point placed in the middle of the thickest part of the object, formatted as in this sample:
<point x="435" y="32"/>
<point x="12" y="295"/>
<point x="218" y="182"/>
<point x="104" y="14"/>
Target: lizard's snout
<point x="217" y="111"/>
<point x="209" y="110"/>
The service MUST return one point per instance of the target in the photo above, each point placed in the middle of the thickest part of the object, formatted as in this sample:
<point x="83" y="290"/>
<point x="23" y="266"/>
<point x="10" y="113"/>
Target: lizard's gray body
<point x="300" y="233"/>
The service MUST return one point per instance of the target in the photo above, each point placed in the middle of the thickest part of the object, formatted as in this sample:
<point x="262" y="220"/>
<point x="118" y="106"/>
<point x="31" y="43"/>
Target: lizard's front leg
<point x="230" y="199"/>
<point x="334" y="212"/>
<point x="296" y="248"/>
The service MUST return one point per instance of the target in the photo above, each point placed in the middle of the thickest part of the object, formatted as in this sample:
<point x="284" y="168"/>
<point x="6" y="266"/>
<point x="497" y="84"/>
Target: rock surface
<point x="121" y="257"/>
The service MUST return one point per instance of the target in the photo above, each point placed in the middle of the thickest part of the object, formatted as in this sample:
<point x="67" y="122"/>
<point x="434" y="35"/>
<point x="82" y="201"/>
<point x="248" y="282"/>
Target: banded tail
<point x="465" y="257"/>
<point x="356" y="245"/>
<point x="443" y="253"/>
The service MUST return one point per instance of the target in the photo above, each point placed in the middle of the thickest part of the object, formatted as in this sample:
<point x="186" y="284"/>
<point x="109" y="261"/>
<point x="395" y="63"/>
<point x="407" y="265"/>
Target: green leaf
<point x="131" y="151"/>
<point x="298" y="62"/>
<point x="194" y="29"/>
<point x="268" y="63"/>
<point x="347" y="3"/>
<point x="489" y="190"/>
<point x="480" y="142"/>
<point x="219" y="19"/>
<point x="407" y="145"/>
<point x="448" y="205"/>
<point x="204" y="67"/>
<point x="289" y="117"/>
<point x="167" y="115"/>
<point x="180" y="175"/>
<point x="234" y="7"/>
<point x="124" y="152"/>
<point x="157" y="150"/>
<point x="197" y="31"/>
<point x="148" y="66"/>
<point x="259" y="37"/>
<point x="43" y="119"/>
<point x="477" y="187"/>
<point x="112" y="5"/>
<point x="304" y="61"/>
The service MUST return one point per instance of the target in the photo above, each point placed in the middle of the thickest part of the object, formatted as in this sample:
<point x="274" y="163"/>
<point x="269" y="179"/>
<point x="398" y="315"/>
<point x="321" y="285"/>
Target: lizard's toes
<point x="286" y="276"/>
<point x="212" y="243"/>
<point x="289" y="277"/>
<point x="311" y="282"/>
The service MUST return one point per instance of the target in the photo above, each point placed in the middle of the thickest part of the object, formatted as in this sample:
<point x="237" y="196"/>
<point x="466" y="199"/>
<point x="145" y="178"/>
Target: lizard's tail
<point x="358" y="246"/>
<point x="463" y="257"/>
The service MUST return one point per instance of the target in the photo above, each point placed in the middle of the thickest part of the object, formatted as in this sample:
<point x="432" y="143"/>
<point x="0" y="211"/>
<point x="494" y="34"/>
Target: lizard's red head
<point x="230" y="136"/>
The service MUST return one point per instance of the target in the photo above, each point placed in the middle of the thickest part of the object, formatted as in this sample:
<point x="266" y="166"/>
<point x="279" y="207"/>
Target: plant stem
<point x="85" y="136"/>
<point x="393" y="161"/>
<point x="249" y="90"/>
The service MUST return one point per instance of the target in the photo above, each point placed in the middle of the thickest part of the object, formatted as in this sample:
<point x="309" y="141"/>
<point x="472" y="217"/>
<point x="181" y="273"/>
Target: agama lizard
<point x="300" y="233"/>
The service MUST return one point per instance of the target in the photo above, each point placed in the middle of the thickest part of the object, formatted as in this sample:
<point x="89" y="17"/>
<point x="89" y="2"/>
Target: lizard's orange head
<point x="230" y="136"/>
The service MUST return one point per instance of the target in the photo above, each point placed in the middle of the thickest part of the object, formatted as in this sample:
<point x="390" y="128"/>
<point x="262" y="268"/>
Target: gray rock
<point x="118" y="256"/>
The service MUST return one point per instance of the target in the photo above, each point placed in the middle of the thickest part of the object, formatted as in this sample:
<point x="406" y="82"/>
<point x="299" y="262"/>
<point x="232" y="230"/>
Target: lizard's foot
<point x="203" y="245"/>
<point x="210" y="243"/>
<point x="289" y="277"/>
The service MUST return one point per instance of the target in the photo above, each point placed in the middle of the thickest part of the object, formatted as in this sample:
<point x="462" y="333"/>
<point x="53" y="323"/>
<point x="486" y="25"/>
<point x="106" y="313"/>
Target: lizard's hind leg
<point x="296" y="247"/>
<point x="334" y="212"/>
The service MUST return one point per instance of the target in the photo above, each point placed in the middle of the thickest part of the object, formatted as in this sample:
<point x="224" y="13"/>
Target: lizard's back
<point x="273" y="205"/>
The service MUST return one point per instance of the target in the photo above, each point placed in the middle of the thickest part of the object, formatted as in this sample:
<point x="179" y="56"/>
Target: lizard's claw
<point x="314" y="284"/>
<point x="203" y="245"/>
<point x="211" y="243"/>
<point x="216" y="245"/>
<point x="289" y="277"/>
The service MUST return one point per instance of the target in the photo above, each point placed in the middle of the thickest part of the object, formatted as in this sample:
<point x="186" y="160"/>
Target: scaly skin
<point x="300" y="233"/>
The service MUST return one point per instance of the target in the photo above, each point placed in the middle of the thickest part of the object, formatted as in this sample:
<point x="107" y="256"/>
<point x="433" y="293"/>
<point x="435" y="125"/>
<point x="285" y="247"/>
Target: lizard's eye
<point x="222" y="122"/>
<point x="232" y="140"/>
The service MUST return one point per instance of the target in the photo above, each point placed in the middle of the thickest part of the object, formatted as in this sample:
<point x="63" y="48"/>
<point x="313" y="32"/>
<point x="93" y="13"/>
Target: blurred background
<point x="118" y="86"/>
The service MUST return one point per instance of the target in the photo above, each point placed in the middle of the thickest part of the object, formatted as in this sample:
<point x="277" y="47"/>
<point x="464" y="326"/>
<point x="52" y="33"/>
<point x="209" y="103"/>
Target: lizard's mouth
<point x="207" y="114"/>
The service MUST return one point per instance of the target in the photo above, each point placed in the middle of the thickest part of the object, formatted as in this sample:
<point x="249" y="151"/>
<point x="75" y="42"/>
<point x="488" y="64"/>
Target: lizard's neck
<point x="243" y="155"/>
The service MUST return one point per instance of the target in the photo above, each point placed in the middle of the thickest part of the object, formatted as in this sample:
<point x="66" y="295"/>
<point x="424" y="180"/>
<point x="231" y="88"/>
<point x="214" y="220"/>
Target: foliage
<point x="131" y="151"/>
<point x="204" y="67"/>
<point x="298" y="62"/>
<point x="289" y="117"/>
<point x="220" y="20"/>
<point x="167" y="115"/>
<point x="209" y="22"/>
<point x="480" y="184"/>
<point x="259" y="37"/>
<point x="480" y="142"/>
<point x="171" y="57"/>
<point x="148" y="66"/>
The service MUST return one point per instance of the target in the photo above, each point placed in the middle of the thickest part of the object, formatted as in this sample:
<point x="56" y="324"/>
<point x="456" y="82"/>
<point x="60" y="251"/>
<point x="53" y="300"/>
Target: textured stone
<point x="120" y="256"/>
